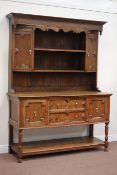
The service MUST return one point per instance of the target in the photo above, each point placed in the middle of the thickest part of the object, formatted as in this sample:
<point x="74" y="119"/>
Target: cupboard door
<point x="22" y="50"/>
<point x="91" y="50"/>
<point x="97" y="109"/>
<point x="35" y="113"/>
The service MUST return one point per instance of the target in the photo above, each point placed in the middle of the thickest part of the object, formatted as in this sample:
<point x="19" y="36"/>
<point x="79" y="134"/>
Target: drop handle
<point x="88" y="54"/>
<point x="76" y="105"/>
<point x="76" y="116"/>
<point x="83" y="103"/>
<point x="83" y="115"/>
<point x="30" y="52"/>
<point x="16" y="50"/>
<point x="42" y="118"/>
<point x="97" y="110"/>
<point x="94" y="53"/>
<point x="35" y="113"/>
<point x="27" y="120"/>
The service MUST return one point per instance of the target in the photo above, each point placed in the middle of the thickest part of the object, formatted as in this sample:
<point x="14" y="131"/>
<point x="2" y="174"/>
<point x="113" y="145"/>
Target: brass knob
<point x="30" y="51"/>
<point x="94" y="53"/>
<point x="83" y="103"/>
<point x="76" y="104"/>
<point x="76" y="116"/>
<point x="35" y="113"/>
<point x="23" y="66"/>
<point x="16" y="50"/>
<point x="41" y="118"/>
<point x="88" y="54"/>
<point x="27" y="120"/>
<point x="83" y="115"/>
<point x="97" y="109"/>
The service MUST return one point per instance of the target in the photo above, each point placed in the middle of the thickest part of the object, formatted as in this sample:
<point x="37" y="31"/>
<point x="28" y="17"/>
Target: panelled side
<point x="14" y="112"/>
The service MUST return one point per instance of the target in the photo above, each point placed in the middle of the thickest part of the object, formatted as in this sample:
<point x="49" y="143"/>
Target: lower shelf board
<point x="57" y="145"/>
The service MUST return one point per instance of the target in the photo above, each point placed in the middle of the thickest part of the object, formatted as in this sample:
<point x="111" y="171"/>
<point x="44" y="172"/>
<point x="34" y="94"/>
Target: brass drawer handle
<point x="57" y="105"/>
<point x="83" y="103"/>
<point x="83" y="115"/>
<point x="35" y="113"/>
<point x="88" y="54"/>
<point x="27" y="120"/>
<point x="30" y="52"/>
<point x="76" y="116"/>
<point x="76" y="105"/>
<point x="94" y="53"/>
<point x="97" y="110"/>
<point x="42" y="118"/>
<point x="17" y="50"/>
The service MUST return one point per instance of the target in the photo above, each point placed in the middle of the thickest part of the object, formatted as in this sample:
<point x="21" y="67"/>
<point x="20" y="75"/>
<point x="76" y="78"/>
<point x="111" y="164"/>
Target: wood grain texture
<point x="53" y="81"/>
<point x="59" y="93"/>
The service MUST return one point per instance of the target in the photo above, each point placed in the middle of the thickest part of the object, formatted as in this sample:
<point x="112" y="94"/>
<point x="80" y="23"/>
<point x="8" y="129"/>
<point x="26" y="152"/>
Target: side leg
<point x="20" y="146"/>
<point x="10" y="138"/>
<point x="91" y="130"/>
<point x="106" y="137"/>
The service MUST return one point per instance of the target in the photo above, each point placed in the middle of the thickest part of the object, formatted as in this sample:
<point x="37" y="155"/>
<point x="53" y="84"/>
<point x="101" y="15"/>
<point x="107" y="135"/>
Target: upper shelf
<point x="59" y="50"/>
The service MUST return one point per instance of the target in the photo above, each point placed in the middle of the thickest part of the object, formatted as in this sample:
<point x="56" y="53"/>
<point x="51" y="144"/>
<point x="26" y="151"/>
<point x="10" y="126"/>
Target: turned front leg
<point x="91" y="130"/>
<point x="20" y="145"/>
<point x="106" y="137"/>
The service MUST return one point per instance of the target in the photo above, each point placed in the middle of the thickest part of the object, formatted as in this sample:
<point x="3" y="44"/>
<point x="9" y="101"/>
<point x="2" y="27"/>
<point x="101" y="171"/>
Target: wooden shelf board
<point x="52" y="70"/>
<point x="59" y="50"/>
<point x="58" y="70"/>
<point x="58" y="145"/>
<point x="59" y="93"/>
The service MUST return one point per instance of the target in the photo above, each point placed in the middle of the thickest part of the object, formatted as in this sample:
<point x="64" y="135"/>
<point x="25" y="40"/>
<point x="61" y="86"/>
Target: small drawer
<point x="67" y="103"/>
<point x="67" y="118"/>
<point x="57" y="119"/>
<point x="79" y="117"/>
<point x="34" y="113"/>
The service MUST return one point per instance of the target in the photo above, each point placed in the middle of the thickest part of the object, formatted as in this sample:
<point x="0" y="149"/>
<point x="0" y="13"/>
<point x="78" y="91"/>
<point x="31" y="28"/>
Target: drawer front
<point x="79" y="117"/>
<point x="67" y="103"/>
<point x="66" y="111"/>
<point x="64" y="119"/>
<point x="35" y="113"/>
<point x="97" y="109"/>
<point x="57" y="119"/>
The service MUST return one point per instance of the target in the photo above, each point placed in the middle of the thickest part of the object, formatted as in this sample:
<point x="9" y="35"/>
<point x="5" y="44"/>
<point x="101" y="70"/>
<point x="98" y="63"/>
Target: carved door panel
<point x="22" y="50"/>
<point x="35" y="113"/>
<point x="91" y="50"/>
<point x="97" y="109"/>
